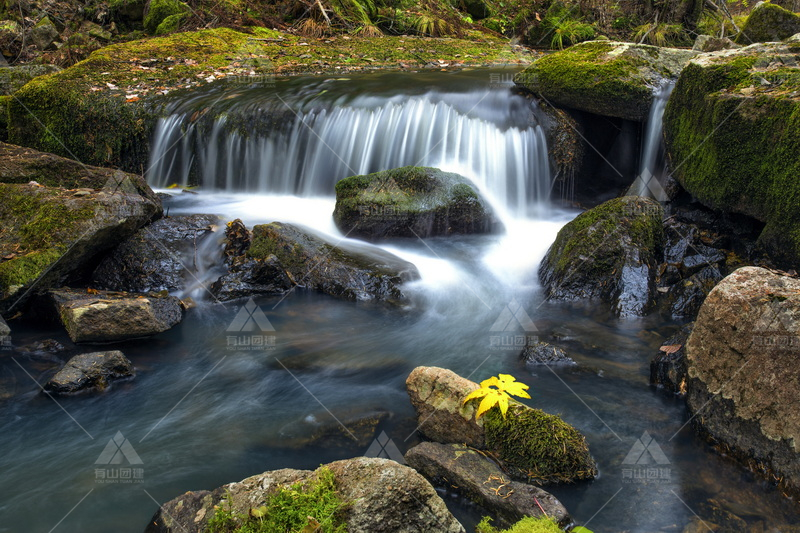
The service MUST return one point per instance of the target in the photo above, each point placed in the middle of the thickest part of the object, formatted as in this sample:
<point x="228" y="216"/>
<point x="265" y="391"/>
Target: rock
<point x="608" y="252"/>
<point x="741" y="167"/>
<point x="95" y="30"/>
<point x="607" y="78"/>
<point x="708" y="43"/>
<point x="794" y="38"/>
<point x="158" y="10"/>
<point x="90" y="371"/>
<point x="127" y="11"/>
<point x="768" y="22"/>
<point x="684" y="298"/>
<point x="345" y="270"/>
<point x="417" y="202"/>
<point x="4" y="329"/>
<point x="347" y="430"/>
<point x="255" y="276"/>
<point x="160" y="256"/>
<point x="13" y="78"/>
<point x="479" y="479"/>
<point x="10" y="39"/>
<point x="45" y="346"/>
<point x="237" y="241"/>
<point x="477" y="9"/>
<point x="101" y="317"/>
<point x="44" y="34"/>
<point x="668" y="367"/>
<point x="49" y="234"/>
<point x="543" y="353"/>
<point x="530" y="444"/>
<point x="384" y="496"/>
<point x="743" y="384"/>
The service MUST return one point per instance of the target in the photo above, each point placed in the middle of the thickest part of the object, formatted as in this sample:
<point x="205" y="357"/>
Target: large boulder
<point x="58" y="216"/>
<point x="479" y="479"/>
<point x="160" y="256"/>
<point x="345" y="270"/>
<point x="609" y="252"/>
<point x="768" y="22"/>
<point x="731" y="128"/>
<point x="530" y="444"/>
<point x="382" y="497"/>
<point x="743" y="384"/>
<point x="90" y="371"/>
<point x="410" y="202"/>
<point x="607" y="78"/>
<point x="668" y="367"/>
<point x="13" y="78"/>
<point x="101" y="317"/>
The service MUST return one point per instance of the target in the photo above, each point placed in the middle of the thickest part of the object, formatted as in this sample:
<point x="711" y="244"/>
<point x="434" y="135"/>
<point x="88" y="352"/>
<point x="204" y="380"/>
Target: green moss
<point x="26" y="268"/>
<point x="528" y="524"/>
<point x="170" y="24"/>
<point x="160" y="10"/>
<point x="312" y="505"/>
<point x="538" y="446"/>
<point x="769" y="22"/>
<point x="266" y="241"/>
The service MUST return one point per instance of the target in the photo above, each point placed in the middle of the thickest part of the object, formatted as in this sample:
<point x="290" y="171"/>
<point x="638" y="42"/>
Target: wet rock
<point x="768" y="22"/>
<point x="384" y="496"/>
<point x="479" y="479"/>
<point x="604" y="77"/>
<point x="160" y="256"/>
<point x="608" y="252"/>
<point x="346" y="430"/>
<point x="44" y="34"/>
<point x="255" y="276"/>
<point x="414" y="202"/>
<point x="528" y="443"/>
<point x="90" y="371"/>
<point x="45" y="346"/>
<point x="708" y="43"/>
<point x="544" y="353"/>
<point x="344" y="270"/>
<point x="237" y="241"/>
<point x="668" y="368"/>
<point x="743" y="382"/>
<point x="4" y="329"/>
<point x="101" y="316"/>
<point x="684" y="298"/>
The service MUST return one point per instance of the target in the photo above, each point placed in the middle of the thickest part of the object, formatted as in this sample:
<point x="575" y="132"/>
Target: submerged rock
<point x="768" y="22"/>
<point x="544" y="353"/>
<point x="529" y="444"/>
<point x="604" y="77"/>
<point x="344" y="270"/>
<point x="160" y="256"/>
<point x="411" y="202"/>
<point x="383" y="497"/>
<point x="609" y="252"/>
<point x="90" y="371"/>
<point x="743" y="384"/>
<point x="478" y="478"/>
<point x="668" y="368"/>
<point x="101" y="317"/>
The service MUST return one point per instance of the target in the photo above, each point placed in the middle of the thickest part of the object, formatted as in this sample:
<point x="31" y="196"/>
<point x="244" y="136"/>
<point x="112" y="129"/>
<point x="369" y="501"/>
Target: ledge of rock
<point x="90" y="371"/>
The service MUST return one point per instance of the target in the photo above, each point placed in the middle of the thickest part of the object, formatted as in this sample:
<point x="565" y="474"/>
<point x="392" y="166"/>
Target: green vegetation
<point x="769" y="23"/>
<point x="661" y="34"/>
<point x="159" y="10"/>
<point x="306" y="506"/>
<point x="528" y="524"/>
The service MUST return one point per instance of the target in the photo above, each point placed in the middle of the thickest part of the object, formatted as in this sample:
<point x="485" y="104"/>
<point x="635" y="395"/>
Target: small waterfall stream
<point x="651" y="166"/>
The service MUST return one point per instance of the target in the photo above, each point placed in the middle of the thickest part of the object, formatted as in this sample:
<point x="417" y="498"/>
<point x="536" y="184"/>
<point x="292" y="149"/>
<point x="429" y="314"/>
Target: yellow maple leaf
<point x="496" y="391"/>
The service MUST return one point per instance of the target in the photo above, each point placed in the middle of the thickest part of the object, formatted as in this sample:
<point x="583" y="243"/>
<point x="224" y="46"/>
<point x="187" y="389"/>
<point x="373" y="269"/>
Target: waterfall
<point x="308" y="152"/>
<point x="651" y="167"/>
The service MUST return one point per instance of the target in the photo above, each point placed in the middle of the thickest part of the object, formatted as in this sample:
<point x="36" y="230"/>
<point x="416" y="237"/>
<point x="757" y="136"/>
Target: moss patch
<point x="528" y="524"/>
<point x="160" y="10"/>
<point x="768" y="23"/>
<point x="538" y="446"/>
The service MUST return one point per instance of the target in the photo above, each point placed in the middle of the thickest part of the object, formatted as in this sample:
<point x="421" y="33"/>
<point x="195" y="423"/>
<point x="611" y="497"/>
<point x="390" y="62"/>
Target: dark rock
<point x="743" y="383"/>
<point x="127" y="11"/>
<point x="668" y="368"/>
<point x="684" y="298"/>
<point x="479" y="479"/>
<point x="237" y="241"/>
<point x="383" y="496"/>
<point x="346" y="430"/>
<point x="415" y="202"/>
<point x="608" y="252"/>
<point x="90" y="371"/>
<point x="4" y="329"/>
<point x="708" y="43"/>
<point x="44" y="34"/>
<point x="345" y="270"/>
<point x="543" y="353"/>
<point x="768" y="22"/>
<point x="13" y="78"/>
<point x="108" y="317"/>
<point x="45" y="346"/>
<point x="477" y="9"/>
<point x="254" y="276"/>
<point x="160" y="256"/>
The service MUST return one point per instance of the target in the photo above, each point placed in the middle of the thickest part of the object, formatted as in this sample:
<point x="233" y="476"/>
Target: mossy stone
<point x="159" y="10"/>
<point x="170" y="24"/>
<point x="768" y="23"/>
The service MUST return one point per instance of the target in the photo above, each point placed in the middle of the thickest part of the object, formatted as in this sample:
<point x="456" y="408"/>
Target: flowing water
<point x="201" y="412"/>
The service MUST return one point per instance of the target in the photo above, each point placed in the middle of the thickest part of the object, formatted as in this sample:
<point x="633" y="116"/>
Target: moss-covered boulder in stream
<point x="768" y="23"/>
<point x="609" y="252"/>
<point x="411" y="202"/>
<point x="58" y="215"/>
<point x="731" y="128"/>
<point x="604" y="77"/>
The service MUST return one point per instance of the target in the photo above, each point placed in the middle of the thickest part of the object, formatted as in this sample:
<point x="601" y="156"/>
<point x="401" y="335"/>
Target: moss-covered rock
<point x="44" y="34"/>
<point x="604" y="77"/>
<point x="411" y="202"/>
<point x="768" y="23"/>
<point x="159" y="10"/>
<point x="609" y="252"/>
<point x="13" y="78"/>
<point x="731" y="132"/>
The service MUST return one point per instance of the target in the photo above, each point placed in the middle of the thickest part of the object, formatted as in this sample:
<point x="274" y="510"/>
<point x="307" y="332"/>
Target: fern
<point x="659" y="34"/>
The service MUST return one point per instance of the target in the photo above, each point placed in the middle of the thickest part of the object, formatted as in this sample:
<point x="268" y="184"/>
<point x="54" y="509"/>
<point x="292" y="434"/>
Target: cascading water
<point x="651" y="167"/>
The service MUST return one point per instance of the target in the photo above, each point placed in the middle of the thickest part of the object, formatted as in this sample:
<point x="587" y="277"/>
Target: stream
<point x="201" y="413"/>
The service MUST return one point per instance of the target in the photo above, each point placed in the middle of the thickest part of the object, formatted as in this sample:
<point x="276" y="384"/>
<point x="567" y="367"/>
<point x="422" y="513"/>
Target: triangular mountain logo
<point x="776" y="318"/>
<point x="646" y="184"/>
<point x="119" y="183"/>
<point x="118" y="449"/>
<point x="645" y="451"/>
<point x="385" y="447"/>
<point x="512" y="317"/>
<point x="382" y="185"/>
<point x="250" y="317"/>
